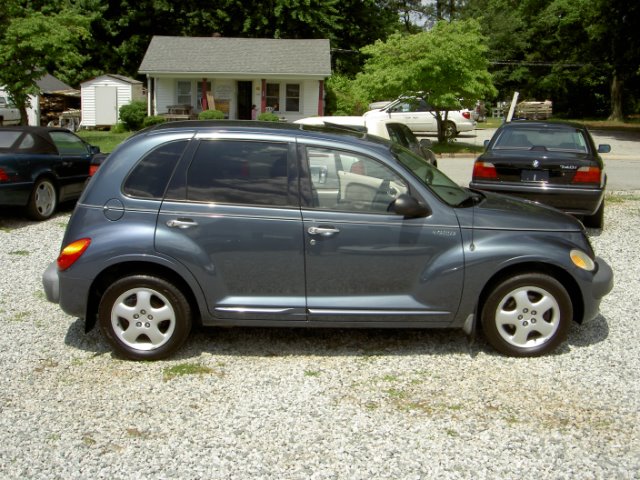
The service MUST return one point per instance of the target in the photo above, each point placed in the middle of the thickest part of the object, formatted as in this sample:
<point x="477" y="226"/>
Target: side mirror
<point x="408" y="206"/>
<point x="94" y="149"/>
<point x="604" y="148"/>
<point x="486" y="143"/>
<point x="426" y="143"/>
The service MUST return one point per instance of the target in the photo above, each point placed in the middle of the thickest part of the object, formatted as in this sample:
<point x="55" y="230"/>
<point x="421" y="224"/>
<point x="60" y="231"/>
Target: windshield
<point x="445" y="188"/>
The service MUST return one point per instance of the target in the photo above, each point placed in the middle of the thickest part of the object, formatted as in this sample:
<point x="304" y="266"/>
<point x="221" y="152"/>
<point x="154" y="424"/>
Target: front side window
<point x="349" y="181"/>
<point x="240" y="172"/>
<point x="293" y="97"/>
<point x="68" y="144"/>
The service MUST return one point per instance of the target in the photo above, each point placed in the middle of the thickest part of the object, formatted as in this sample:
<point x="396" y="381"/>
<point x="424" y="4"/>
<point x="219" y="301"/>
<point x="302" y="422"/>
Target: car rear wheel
<point x="450" y="130"/>
<point x="144" y="317"/>
<point x="596" y="220"/>
<point x="527" y="315"/>
<point x="43" y="200"/>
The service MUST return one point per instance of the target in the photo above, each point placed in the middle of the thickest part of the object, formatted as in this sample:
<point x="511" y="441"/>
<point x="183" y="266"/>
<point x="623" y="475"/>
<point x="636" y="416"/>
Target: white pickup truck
<point x="9" y="114"/>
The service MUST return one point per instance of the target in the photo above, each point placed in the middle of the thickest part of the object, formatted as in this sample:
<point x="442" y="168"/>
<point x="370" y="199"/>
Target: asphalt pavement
<point x="622" y="164"/>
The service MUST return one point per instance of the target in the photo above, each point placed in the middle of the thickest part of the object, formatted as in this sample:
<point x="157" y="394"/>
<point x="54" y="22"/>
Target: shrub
<point x="133" y="114"/>
<point x="211" y="115"/>
<point x="153" y="120"/>
<point x="118" y="128"/>
<point x="268" y="117"/>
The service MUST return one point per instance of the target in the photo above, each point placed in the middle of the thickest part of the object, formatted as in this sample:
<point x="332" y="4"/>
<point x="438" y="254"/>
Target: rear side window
<point x="240" y="172"/>
<point x="150" y="176"/>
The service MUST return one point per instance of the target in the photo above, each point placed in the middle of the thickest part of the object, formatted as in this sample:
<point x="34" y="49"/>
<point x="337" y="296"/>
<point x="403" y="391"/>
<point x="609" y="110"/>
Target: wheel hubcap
<point x="45" y="199"/>
<point x="143" y="319"/>
<point x="527" y="317"/>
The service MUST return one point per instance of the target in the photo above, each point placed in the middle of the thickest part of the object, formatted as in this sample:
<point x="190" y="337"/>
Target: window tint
<point x="68" y="143"/>
<point x="240" y="172"/>
<point x="8" y="138"/>
<point x="551" y="139"/>
<point x="150" y="176"/>
<point x="349" y="181"/>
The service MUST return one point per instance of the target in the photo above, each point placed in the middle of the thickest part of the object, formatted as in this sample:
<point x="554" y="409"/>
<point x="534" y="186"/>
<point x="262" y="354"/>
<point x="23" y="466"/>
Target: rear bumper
<point x="577" y="201"/>
<point x="70" y="293"/>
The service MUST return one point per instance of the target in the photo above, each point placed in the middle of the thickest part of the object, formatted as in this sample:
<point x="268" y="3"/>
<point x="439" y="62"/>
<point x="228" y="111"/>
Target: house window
<point x="184" y="92"/>
<point x="293" y="97"/>
<point x="273" y="96"/>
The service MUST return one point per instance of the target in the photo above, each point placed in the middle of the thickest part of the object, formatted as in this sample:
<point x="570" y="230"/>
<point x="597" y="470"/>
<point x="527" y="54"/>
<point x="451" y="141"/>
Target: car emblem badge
<point x="536" y="163"/>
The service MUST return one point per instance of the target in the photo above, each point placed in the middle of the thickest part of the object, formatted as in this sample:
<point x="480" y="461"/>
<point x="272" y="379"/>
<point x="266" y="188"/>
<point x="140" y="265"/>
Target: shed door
<point x="106" y="105"/>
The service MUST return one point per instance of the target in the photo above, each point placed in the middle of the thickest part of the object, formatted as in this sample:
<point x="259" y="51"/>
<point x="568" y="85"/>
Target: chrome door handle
<point x="323" y="231"/>
<point x="181" y="223"/>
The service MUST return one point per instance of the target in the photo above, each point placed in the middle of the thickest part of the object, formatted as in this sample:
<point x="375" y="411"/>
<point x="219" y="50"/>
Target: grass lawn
<point x="106" y="140"/>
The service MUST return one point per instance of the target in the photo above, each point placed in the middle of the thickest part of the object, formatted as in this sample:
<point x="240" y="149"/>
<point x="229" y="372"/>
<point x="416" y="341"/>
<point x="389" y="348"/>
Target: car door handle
<point x="323" y="231"/>
<point x="181" y="223"/>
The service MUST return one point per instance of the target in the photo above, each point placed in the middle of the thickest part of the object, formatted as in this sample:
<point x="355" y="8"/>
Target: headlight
<point x="582" y="260"/>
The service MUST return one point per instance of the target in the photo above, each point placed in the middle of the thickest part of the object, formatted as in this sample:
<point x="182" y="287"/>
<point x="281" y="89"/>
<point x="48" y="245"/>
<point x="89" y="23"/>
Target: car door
<point x="72" y="164"/>
<point x="365" y="264"/>
<point x="415" y="114"/>
<point x="232" y="217"/>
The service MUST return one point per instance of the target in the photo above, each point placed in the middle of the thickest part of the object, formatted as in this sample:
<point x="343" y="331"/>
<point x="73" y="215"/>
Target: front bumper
<point x="601" y="285"/>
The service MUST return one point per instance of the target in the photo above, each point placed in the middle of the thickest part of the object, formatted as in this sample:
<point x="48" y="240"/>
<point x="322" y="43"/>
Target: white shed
<point x="103" y="96"/>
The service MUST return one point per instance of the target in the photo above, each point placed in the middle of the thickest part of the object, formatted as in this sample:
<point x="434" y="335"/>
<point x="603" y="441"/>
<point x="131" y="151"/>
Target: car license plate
<point x="534" y="176"/>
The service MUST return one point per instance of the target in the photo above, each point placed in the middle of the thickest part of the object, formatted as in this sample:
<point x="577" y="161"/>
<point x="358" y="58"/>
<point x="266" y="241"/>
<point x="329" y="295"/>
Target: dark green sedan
<point x="41" y="167"/>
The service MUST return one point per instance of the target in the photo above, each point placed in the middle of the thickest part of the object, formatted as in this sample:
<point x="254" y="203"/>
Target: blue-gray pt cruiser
<point x="263" y="224"/>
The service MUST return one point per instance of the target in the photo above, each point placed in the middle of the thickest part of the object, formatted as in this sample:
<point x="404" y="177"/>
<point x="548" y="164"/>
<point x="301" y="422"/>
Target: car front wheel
<point x="527" y="315"/>
<point x="43" y="200"/>
<point x="144" y="317"/>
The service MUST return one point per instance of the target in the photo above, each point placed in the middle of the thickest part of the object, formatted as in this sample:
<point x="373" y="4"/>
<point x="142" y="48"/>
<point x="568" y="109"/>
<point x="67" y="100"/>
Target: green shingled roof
<point x="237" y="56"/>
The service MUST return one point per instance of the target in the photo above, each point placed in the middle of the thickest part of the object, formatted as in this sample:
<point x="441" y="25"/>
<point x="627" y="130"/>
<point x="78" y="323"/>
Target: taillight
<point x="93" y="169"/>
<point x="466" y="115"/>
<point x="72" y="252"/>
<point x="3" y="176"/>
<point x="587" y="175"/>
<point x="484" y="170"/>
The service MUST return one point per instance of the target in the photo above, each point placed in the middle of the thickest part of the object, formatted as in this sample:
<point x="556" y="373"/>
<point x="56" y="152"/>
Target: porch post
<point x="320" y="98"/>
<point x="204" y="103"/>
<point x="263" y="96"/>
<point x="149" y="94"/>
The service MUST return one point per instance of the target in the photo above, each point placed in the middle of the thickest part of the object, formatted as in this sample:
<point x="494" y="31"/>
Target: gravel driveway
<point x="315" y="404"/>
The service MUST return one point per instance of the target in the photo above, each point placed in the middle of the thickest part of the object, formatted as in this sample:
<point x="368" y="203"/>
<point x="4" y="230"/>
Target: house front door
<point x="244" y="100"/>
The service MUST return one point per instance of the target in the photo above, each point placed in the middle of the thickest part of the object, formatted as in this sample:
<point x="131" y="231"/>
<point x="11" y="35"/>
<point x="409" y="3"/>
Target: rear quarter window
<point x="150" y="176"/>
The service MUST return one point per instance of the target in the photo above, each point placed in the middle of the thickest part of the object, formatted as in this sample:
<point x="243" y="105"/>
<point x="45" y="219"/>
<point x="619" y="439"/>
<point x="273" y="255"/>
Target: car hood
<point x="503" y="212"/>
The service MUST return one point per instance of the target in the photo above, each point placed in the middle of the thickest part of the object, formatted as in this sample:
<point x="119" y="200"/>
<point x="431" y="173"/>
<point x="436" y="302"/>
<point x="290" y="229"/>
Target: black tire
<point x="527" y="315"/>
<point x="144" y="317"/>
<point x="597" y="219"/>
<point x="450" y="130"/>
<point x="43" y="200"/>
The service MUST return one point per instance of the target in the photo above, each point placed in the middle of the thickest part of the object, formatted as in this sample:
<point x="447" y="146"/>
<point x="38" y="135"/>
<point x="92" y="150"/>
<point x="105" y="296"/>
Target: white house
<point x="188" y="74"/>
<point x="102" y="97"/>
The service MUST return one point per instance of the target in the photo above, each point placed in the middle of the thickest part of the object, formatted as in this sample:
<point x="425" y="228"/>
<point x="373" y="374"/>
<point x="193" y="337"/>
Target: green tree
<point x="34" y="43"/>
<point x="447" y="63"/>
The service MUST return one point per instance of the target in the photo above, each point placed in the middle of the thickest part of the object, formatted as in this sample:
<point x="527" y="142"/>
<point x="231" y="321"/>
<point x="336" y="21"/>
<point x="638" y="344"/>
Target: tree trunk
<point x="24" y="118"/>
<point x="616" y="98"/>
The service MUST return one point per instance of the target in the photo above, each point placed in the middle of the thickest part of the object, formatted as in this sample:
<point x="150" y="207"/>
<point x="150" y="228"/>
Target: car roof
<point x="36" y="130"/>
<point x="274" y="128"/>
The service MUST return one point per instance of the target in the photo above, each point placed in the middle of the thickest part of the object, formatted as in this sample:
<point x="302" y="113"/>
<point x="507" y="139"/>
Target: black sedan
<point x="552" y="163"/>
<point x="41" y="167"/>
